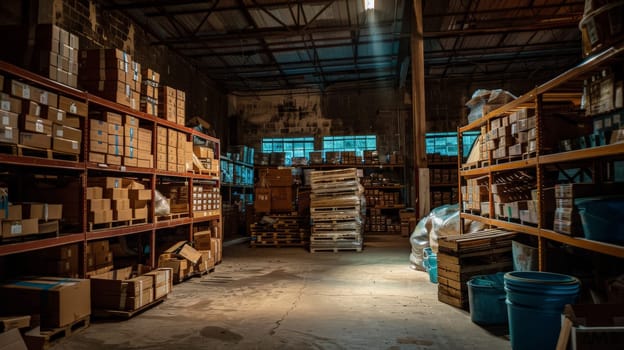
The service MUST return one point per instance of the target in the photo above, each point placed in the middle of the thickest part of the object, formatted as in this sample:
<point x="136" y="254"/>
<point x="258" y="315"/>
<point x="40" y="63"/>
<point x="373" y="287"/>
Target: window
<point x="291" y="146"/>
<point x="445" y="143"/>
<point x="357" y="143"/>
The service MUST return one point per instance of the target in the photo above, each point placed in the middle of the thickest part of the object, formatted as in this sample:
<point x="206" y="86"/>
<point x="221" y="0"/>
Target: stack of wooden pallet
<point x="461" y="257"/>
<point x="281" y="231"/>
<point x="336" y="211"/>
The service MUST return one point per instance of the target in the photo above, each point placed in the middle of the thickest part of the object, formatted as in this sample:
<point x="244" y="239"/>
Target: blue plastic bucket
<point x="535" y="301"/>
<point x="486" y="299"/>
<point x="430" y="263"/>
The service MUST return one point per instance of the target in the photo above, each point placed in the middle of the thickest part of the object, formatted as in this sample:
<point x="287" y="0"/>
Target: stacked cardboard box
<point x="116" y="199"/>
<point x="62" y="261"/>
<point x="59" y="301"/>
<point x="186" y="261"/>
<point x="205" y="159"/>
<point x="16" y="224"/>
<point x="149" y="91"/>
<point x="161" y="148"/>
<point x="511" y="193"/>
<point x="112" y="74"/>
<point x="171" y="105"/>
<point x="118" y="290"/>
<point x="56" y="54"/>
<point x="99" y="257"/>
<point x="279" y="184"/>
<point x="475" y="195"/>
<point x="115" y="152"/>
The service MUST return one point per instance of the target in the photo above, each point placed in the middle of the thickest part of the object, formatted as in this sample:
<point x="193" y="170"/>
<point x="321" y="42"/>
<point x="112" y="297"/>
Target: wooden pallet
<point x="277" y="244"/>
<point x="452" y="300"/>
<point x="470" y="242"/>
<point x="116" y="224"/>
<point x="172" y="216"/>
<point x="338" y="236"/>
<point x="44" y="339"/>
<point x="26" y="151"/>
<point x="335" y="249"/>
<point x="103" y="313"/>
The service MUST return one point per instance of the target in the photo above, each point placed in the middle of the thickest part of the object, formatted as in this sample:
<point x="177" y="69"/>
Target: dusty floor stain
<point x="221" y="334"/>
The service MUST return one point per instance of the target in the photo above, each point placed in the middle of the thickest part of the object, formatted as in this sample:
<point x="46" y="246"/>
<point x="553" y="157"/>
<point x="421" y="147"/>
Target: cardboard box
<point x="95" y="192"/>
<point x="98" y="147"/>
<point x="35" y="140"/>
<point x="73" y="106"/>
<point x="115" y="149"/>
<point x="99" y="204"/>
<point x="65" y="145"/>
<point x="127" y="294"/>
<point x="202" y="239"/>
<point x="131" y="161"/>
<point x="116" y="193"/>
<point x="262" y="200"/>
<point x="101" y="216"/>
<point x="10" y="104"/>
<point x="55" y="115"/>
<point x="73" y="121"/>
<point x="276" y="177"/>
<point x="113" y="159"/>
<point x="140" y="194"/>
<point x="15" y="228"/>
<point x="122" y="215"/>
<point x="59" y="301"/>
<point x="98" y="134"/>
<point x="178" y="268"/>
<point x="31" y="108"/>
<point x="8" y="134"/>
<point x="281" y="199"/>
<point x="140" y="213"/>
<point x="66" y="132"/>
<point x="8" y="119"/>
<point x="120" y="204"/>
<point x="13" y="212"/>
<point x="162" y="281"/>
<point x="36" y="124"/>
<point x="43" y="211"/>
<point x="189" y="253"/>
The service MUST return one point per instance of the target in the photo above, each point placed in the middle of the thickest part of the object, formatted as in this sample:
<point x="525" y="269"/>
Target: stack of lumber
<point x="280" y="231"/>
<point x="461" y="257"/>
<point x="336" y="211"/>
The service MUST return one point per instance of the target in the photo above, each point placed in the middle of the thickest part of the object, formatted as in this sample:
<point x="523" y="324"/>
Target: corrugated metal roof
<point x="264" y="44"/>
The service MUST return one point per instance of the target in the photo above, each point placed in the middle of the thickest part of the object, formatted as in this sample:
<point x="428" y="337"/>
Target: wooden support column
<point x="418" y="109"/>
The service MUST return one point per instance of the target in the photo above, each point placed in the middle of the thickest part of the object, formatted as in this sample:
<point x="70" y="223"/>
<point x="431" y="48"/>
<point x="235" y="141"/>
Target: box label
<point x="5" y="120"/>
<point x="6" y="105"/>
<point x="39" y="127"/>
<point x="26" y="92"/>
<point x="16" y="228"/>
<point x="8" y="133"/>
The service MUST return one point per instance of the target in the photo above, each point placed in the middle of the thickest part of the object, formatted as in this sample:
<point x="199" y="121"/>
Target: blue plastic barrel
<point x="486" y="299"/>
<point x="534" y="302"/>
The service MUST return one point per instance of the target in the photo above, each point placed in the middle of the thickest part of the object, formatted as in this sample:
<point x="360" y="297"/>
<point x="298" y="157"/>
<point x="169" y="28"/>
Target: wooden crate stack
<point x="461" y="257"/>
<point x="281" y="231"/>
<point x="336" y="211"/>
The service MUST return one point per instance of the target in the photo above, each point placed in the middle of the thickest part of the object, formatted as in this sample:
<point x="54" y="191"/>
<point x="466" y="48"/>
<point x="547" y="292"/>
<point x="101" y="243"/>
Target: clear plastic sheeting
<point x="161" y="204"/>
<point x="441" y="221"/>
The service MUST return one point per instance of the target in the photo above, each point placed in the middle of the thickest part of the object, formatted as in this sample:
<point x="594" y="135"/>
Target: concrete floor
<point x="288" y="298"/>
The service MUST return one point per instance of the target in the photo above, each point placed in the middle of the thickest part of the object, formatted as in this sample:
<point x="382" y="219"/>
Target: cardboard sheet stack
<point x="336" y="210"/>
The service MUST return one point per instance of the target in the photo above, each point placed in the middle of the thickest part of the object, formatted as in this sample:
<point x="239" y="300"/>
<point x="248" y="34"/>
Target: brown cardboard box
<point x="14" y="228"/>
<point x="276" y="177"/>
<point x="14" y="212"/>
<point x="120" y="204"/>
<point x="202" y="240"/>
<point x="161" y="281"/>
<point x="43" y="211"/>
<point x="67" y="132"/>
<point x="144" y="155"/>
<point x="281" y="199"/>
<point x="31" y="108"/>
<point x="140" y="213"/>
<point x="116" y="129"/>
<point x="122" y="215"/>
<point x="139" y="204"/>
<point x="99" y="158"/>
<point x="108" y="182"/>
<point x="65" y="145"/>
<point x="95" y="192"/>
<point x="10" y="104"/>
<point x="98" y="135"/>
<point x="262" y="200"/>
<point x="99" y="147"/>
<point x="59" y="301"/>
<point x="8" y="134"/>
<point x="73" y="106"/>
<point x="56" y="115"/>
<point x="140" y="194"/>
<point x="127" y="294"/>
<point x="178" y="267"/>
<point x="36" y="124"/>
<point x="131" y="161"/>
<point x="101" y="216"/>
<point x="12" y="322"/>
<point x="35" y="140"/>
<point x="72" y="120"/>
<point x="115" y="149"/>
<point x="116" y="193"/>
<point x="99" y="204"/>
<point x="113" y="159"/>
<point x="8" y="119"/>
<point x="21" y="90"/>
<point x="189" y="253"/>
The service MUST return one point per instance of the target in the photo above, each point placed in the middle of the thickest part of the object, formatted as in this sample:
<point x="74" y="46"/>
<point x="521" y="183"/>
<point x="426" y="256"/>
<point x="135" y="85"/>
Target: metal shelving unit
<point x="82" y="169"/>
<point x="557" y="89"/>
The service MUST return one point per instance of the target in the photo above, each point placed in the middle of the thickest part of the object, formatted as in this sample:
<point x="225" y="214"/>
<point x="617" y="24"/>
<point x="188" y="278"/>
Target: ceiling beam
<point x="500" y="30"/>
<point x="580" y="4"/>
<point x="195" y="10"/>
